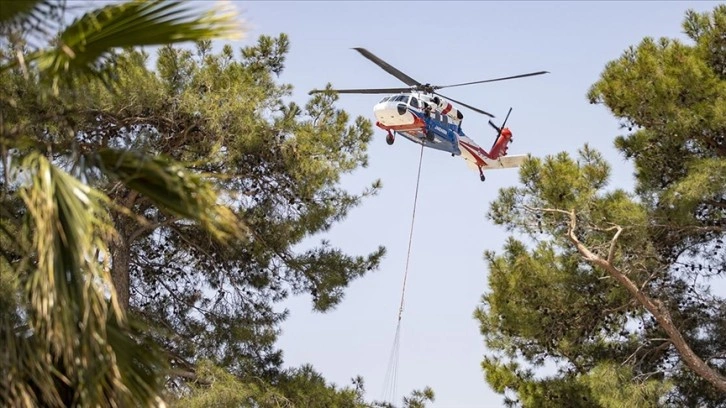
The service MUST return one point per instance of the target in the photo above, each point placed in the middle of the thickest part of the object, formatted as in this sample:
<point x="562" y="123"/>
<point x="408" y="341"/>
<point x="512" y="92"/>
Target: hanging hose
<point x="389" y="386"/>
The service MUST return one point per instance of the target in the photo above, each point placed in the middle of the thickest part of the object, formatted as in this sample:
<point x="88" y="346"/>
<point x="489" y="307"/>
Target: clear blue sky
<point x="441" y="43"/>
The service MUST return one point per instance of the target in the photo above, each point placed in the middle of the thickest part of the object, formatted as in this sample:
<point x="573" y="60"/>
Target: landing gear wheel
<point x="482" y="177"/>
<point x="390" y="139"/>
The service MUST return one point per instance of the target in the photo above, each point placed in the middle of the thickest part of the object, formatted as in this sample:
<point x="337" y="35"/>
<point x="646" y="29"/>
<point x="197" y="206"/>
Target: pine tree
<point x="611" y="286"/>
<point x="278" y="166"/>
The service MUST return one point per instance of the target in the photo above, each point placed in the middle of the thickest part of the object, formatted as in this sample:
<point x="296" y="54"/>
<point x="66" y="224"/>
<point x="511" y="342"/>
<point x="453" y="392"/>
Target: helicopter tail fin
<point x="501" y="144"/>
<point x="504" y="137"/>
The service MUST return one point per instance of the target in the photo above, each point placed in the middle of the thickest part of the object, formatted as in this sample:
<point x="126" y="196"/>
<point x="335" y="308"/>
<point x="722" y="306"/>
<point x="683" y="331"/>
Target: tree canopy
<point x="66" y="338"/>
<point x="605" y="299"/>
<point x="277" y="165"/>
<point x="154" y="212"/>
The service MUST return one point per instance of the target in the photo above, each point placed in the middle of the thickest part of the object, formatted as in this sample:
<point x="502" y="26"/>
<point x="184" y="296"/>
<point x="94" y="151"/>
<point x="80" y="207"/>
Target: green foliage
<point x="304" y="387"/>
<point x="674" y="95"/>
<point x="153" y="218"/>
<point x="67" y="340"/>
<point x="170" y="186"/>
<point x="418" y="398"/>
<point x="85" y="43"/>
<point x="296" y="387"/>
<point x="210" y="184"/>
<point x="548" y="306"/>
<point x="215" y="387"/>
<point x="17" y="9"/>
<point x="614" y="385"/>
<point x="30" y="15"/>
<point x="606" y="385"/>
<point x="278" y="166"/>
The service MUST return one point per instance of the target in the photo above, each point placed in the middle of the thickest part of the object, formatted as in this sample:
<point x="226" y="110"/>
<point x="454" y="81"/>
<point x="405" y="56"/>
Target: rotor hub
<point x="427" y="88"/>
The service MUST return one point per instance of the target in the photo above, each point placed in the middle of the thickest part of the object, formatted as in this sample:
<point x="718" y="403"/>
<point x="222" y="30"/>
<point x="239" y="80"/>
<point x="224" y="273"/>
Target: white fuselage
<point x="395" y="110"/>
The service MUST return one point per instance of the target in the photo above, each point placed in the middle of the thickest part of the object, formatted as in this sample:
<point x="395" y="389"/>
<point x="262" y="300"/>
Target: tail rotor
<point x="499" y="129"/>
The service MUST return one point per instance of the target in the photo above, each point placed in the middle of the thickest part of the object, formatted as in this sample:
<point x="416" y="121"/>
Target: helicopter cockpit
<point x="392" y="110"/>
<point x="403" y="98"/>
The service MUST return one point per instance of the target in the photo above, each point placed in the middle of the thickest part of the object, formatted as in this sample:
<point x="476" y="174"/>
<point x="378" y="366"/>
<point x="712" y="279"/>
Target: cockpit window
<point x="385" y="99"/>
<point x="414" y="102"/>
<point x="402" y="98"/>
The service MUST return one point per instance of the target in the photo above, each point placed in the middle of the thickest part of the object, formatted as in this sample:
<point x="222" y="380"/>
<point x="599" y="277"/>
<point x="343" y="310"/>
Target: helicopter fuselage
<point x="421" y="119"/>
<point x="395" y="110"/>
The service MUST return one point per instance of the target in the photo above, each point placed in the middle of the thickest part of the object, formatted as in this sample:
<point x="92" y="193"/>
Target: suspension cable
<point x="392" y="371"/>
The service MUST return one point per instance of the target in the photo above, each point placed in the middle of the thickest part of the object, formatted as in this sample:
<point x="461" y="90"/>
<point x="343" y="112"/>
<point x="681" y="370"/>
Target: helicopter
<point x="422" y="115"/>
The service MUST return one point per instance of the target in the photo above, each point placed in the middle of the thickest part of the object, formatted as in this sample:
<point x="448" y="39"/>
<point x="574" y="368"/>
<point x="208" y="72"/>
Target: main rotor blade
<point x="387" y="67"/>
<point x="363" y="91"/>
<point x="493" y="80"/>
<point x="468" y="106"/>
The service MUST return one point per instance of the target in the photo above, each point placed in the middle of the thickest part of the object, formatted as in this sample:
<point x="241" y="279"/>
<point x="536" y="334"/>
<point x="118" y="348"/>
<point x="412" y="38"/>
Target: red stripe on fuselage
<point x="474" y="148"/>
<point x="471" y="149"/>
<point x="447" y="109"/>
<point x="418" y="124"/>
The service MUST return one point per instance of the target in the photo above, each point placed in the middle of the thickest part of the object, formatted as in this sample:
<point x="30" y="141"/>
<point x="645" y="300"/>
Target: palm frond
<point x="88" y="40"/>
<point x="26" y="379"/>
<point x="139" y="362"/>
<point x="20" y="9"/>
<point x="71" y="225"/>
<point x="81" y="331"/>
<point x="67" y="306"/>
<point x="172" y="187"/>
<point x="35" y="20"/>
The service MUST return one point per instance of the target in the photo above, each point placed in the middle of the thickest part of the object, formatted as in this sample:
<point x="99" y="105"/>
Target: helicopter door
<point x="437" y="115"/>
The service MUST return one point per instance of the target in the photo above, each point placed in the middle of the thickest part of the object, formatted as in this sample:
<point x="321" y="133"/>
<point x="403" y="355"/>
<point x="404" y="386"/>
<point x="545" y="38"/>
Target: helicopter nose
<point x="401" y="109"/>
<point x="393" y="114"/>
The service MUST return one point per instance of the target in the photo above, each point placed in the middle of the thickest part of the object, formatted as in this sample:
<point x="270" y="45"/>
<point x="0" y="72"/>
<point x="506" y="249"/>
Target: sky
<point x="442" y="43"/>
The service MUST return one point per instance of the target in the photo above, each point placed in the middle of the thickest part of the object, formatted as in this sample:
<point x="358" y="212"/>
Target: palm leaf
<point x="24" y="379"/>
<point x="77" y="348"/>
<point x="34" y="18"/>
<point x="172" y="188"/>
<point x="67" y="305"/>
<point x="135" y="23"/>
<point x="139" y="362"/>
<point x="20" y="10"/>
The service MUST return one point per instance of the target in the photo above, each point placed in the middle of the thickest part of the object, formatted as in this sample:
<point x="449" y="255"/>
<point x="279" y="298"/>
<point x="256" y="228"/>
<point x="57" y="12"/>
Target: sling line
<point x="392" y="372"/>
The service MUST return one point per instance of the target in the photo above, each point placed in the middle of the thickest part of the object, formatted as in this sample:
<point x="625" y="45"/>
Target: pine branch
<point x="150" y="226"/>
<point x="613" y="242"/>
<point x="654" y="306"/>
<point x="548" y="210"/>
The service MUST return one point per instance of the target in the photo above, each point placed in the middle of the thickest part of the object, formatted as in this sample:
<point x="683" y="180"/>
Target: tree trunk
<point x="120" y="257"/>
<point x="655" y="307"/>
<point x="120" y="249"/>
<point x="663" y="317"/>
